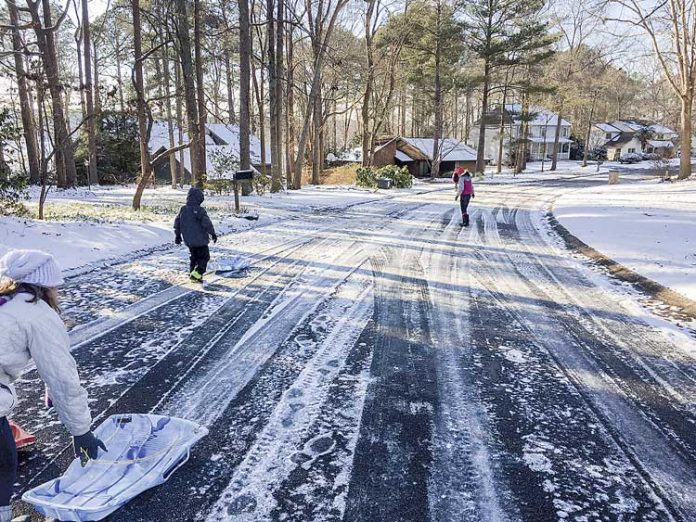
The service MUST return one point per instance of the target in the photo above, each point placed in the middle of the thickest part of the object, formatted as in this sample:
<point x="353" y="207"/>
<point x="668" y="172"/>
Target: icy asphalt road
<point x="381" y="363"/>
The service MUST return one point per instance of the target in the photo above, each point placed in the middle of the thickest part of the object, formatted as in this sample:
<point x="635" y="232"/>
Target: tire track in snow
<point x="318" y="491"/>
<point x="102" y="298"/>
<point x="643" y="416"/>
<point x="393" y="453"/>
<point x="463" y="484"/>
<point x="219" y="385"/>
<point x="282" y="446"/>
<point x="573" y="483"/>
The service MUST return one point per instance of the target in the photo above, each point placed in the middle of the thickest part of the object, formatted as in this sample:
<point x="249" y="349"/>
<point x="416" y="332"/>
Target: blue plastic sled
<point x="143" y="452"/>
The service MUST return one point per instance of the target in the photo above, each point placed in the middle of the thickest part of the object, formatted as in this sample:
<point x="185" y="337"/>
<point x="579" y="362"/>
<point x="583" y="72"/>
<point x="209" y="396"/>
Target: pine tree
<point x="503" y="33"/>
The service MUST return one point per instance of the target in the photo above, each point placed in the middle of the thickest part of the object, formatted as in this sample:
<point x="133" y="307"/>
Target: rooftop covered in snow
<point x="222" y="139"/>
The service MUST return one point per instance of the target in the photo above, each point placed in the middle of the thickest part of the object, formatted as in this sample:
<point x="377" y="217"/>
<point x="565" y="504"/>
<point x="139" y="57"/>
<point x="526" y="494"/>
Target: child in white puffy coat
<point x="33" y="331"/>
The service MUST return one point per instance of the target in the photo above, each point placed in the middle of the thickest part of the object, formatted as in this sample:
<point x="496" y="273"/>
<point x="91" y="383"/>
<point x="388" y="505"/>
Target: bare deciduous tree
<point x="676" y="54"/>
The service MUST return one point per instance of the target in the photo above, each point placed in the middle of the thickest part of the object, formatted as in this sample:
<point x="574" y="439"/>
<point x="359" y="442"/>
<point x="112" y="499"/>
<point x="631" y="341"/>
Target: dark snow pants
<point x="8" y="462"/>
<point x="464" y="204"/>
<point x="199" y="259"/>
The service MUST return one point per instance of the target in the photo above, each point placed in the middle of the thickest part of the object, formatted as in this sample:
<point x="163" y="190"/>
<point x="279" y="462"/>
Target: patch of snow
<point x="650" y="227"/>
<point x="78" y="243"/>
<point x="513" y="355"/>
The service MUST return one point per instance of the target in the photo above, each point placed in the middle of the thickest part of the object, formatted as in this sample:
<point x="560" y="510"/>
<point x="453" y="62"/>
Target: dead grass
<point x="343" y="175"/>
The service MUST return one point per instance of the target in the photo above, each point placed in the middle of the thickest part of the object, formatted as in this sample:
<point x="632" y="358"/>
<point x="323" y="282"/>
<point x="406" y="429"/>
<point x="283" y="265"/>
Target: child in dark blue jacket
<point x="195" y="226"/>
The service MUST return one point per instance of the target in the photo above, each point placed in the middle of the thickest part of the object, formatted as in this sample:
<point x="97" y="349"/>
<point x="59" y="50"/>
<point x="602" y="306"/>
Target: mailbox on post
<point x="240" y="175"/>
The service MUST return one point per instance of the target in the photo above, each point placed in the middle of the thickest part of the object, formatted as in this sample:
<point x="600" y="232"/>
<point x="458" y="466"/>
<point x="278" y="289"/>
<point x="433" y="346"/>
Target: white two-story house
<point x="541" y="135"/>
<point x="622" y="137"/>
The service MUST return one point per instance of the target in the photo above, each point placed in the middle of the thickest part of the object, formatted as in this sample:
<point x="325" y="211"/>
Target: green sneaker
<point x="196" y="277"/>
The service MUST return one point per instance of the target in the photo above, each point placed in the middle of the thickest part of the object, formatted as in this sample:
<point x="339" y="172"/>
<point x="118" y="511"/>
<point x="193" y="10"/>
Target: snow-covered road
<point x="381" y="363"/>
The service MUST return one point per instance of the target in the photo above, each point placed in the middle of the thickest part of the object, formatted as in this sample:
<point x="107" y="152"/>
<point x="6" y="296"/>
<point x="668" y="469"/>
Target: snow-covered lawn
<point x="571" y="168"/>
<point x="80" y="243"/>
<point x="649" y="227"/>
<point x="86" y="227"/>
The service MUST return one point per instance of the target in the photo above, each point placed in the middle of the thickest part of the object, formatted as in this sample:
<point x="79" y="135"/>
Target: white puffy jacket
<point x="35" y="331"/>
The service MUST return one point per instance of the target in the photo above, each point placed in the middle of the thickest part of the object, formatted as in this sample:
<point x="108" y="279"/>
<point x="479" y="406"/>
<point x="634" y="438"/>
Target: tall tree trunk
<point x="273" y="101"/>
<point x="260" y="95"/>
<point x="685" y="145"/>
<point x="244" y="83"/>
<point x="64" y="154"/>
<point x="467" y="115"/>
<point x="25" y="105"/>
<point x="140" y="104"/>
<point x="402" y="111"/>
<point x="294" y="181"/>
<point x="40" y="95"/>
<point x="318" y="121"/>
<point x="80" y="76"/>
<point x="188" y="80"/>
<point x="334" y="126"/>
<point x="277" y="154"/>
<point x="588" y="133"/>
<point x="121" y="97"/>
<point x="170" y="123"/>
<point x="97" y="94"/>
<point x="217" y="80"/>
<point x="556" y="139"/>
<point x="413" y="113"/>
<point x="481" y="149"/>
<point x="501" y="139"/>
<point x="89" y="98"/>
<point x="437" y="156"/>
<point x="200" y="92"/>
<point x="525" y="135"/>
<point x="230" y="90"/>
<point x="179" y="122"/>
<point x="367" y="136"/>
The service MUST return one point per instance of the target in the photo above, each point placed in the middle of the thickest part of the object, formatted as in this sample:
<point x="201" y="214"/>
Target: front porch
<point x="539" y="150"/>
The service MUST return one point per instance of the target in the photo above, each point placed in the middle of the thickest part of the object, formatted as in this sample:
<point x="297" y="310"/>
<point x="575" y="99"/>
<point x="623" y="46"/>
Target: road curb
<point x="687" y="307"/>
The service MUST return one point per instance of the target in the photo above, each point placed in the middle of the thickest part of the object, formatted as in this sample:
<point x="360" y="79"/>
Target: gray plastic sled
<point x="143" y="452"/>
<point x="232" y="266"/>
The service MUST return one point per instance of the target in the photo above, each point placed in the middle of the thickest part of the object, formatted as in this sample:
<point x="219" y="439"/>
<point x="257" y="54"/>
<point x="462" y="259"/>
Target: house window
<point x="565" y="132"/>
<point x="631" y="151"/>
<point x="608" y="135"/>
<point x="565" y="148"/>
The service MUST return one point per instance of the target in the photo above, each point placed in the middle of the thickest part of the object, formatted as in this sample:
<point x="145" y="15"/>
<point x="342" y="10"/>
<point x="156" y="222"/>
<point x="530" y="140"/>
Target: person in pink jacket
<point x="465" y="193"/>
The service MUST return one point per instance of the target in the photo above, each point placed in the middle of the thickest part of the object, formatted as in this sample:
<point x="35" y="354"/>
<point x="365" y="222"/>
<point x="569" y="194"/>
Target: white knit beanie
<point x="32" y="267"/>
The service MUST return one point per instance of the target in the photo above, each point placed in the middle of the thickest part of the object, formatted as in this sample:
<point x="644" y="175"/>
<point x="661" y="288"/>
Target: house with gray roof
<point x="221" y="140"/>
<point x="622" y="137"/>
<point x="417" y="154"/>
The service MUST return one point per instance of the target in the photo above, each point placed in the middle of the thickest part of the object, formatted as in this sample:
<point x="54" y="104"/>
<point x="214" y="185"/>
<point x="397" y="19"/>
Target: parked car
<point x="631" y="157"/>
<point x="650" y="156"/>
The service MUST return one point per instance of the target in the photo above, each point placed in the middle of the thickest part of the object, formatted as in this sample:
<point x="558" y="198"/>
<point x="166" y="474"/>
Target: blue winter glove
<point x="177" y="240"/>
<point x="214" y="238"/>
<point x="87" y="447"/>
